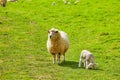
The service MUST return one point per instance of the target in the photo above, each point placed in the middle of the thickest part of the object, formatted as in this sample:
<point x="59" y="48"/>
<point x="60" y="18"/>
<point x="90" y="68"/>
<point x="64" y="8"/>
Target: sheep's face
<point x="53" y="34"/>
<point x="91" y="66"/>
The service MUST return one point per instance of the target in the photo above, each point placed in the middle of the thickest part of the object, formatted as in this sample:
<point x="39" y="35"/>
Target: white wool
<point x="87" y="58"/>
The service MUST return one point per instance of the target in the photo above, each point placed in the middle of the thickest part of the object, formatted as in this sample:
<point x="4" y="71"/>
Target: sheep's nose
<point x="50" y="36"/>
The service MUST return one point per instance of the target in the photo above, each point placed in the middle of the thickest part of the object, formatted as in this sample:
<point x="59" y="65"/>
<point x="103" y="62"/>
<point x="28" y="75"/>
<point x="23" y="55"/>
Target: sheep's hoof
<point x="87" y="68"/>
<point x="53" y="62"/>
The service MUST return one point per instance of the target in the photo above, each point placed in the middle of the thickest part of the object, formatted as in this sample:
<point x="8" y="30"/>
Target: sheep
<point x="3" y="2"/>
<point x="57" y="44"/>
<point x="67" y="1"/>
<point x="87" y="58"/>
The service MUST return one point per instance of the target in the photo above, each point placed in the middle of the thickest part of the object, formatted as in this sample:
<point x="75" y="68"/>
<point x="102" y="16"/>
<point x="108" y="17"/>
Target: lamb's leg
<point x="54" y="58"/>
<point x="65" y="1"/>
<point x="77" y="1"/>
<point x="87" y="63"/>
<point x="80" y="63"/>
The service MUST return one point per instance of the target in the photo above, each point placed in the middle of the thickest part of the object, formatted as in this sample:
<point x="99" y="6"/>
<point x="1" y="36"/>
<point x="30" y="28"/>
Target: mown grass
<point x="93" y="25"/>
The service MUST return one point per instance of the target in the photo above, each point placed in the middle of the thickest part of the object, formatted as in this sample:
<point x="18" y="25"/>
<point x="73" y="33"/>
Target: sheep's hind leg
<point x="77" y="1"/>
<point x="64" y="57"/>
<point x="65" y="1"/>
<point x="87" y="63"/>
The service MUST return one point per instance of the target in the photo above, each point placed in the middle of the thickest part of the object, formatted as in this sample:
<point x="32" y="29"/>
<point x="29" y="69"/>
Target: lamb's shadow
<point x="74" y="65"/>
<point x="71" y="64"/>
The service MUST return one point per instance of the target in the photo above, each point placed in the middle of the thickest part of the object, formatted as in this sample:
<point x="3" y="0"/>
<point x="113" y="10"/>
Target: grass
<point x="93" y="25"/>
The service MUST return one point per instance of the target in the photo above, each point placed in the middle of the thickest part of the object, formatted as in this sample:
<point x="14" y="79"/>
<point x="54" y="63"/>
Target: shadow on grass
<point x="74" y="65"/>
<point x="71" y="64"/>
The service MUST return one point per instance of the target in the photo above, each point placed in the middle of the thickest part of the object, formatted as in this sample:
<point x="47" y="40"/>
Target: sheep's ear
<point x="48" y="31"/>
<point x="56" y="32"/>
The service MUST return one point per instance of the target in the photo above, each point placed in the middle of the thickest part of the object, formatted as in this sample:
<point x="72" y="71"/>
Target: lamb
<point x="11" y="0"/>
<point x="3" y="2"/>
<point x="57" y="44"/>
<point x="67" y="1"/>
<point x="87" y="58"/>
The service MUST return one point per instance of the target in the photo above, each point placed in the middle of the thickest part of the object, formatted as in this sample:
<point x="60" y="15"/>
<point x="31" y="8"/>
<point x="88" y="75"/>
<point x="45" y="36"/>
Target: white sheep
<point x="3" y="3"/>
<point x="87" y="58"/>
<point x="67" y="1"/>
<point x="57" y="44"/>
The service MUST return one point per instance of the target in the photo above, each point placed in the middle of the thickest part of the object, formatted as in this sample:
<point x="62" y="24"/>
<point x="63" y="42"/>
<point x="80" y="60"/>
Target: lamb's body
<point x="3" y="2"/>
<point x="87" y="58"/>
<point x="11" y="0"/>
<point x="57" y="43"/>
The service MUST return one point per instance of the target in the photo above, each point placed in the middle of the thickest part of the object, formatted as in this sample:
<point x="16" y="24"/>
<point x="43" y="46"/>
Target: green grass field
<point x="91" y="24"/>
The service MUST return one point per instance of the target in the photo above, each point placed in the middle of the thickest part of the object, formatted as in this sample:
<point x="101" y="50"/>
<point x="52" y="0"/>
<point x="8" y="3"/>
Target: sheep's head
<point x="91" y="66"/>
<point x="53" y="34"/>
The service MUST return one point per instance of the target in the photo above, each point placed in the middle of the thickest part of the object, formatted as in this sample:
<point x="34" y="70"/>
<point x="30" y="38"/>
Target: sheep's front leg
<point x="65" y="1"/>
<point x="58" y="58"/>
<point x="54" y="58"/>
<point x="80" y="63"/>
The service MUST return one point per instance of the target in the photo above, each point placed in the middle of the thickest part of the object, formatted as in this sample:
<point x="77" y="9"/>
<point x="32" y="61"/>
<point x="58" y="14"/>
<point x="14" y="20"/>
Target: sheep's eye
<point x="56" y="32"/>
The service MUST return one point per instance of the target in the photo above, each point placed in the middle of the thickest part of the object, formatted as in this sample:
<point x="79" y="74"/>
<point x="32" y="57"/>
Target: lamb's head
<point x="91" y="66"/>
<point x="53" y="34"/>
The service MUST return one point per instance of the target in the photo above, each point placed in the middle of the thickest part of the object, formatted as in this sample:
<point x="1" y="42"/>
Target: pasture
<point x="91" y="24"/>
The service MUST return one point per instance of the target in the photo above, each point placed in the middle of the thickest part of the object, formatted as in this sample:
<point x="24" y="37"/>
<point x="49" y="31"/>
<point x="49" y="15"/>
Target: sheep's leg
<point x="58" y="58"/>
<point x="77" y="1"/>
<point x="54" y="58"/>
<point x="3" y="4"/>
<point x="65" y="1"/>
<point x="64" y="57"/>
<point x="87" y="63"/>
<point x="80" y="63"/>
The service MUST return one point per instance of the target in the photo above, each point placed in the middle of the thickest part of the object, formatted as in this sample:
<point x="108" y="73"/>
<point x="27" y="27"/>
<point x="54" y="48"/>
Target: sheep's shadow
<point x="71" y="64"/>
